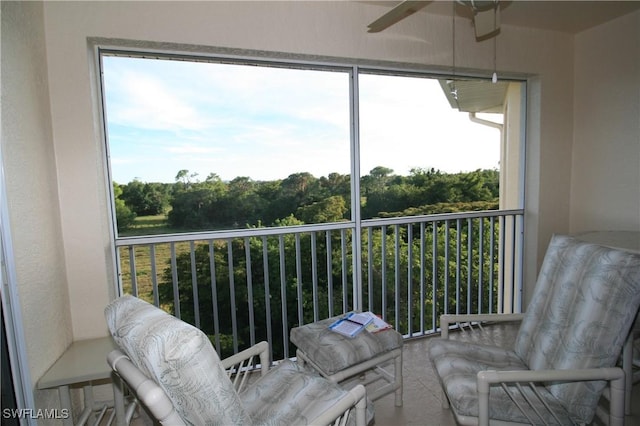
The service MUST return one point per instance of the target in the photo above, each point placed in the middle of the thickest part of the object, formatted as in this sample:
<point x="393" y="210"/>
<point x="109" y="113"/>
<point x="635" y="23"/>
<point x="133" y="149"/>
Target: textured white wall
<point x="30" y="171"/>
<point x="605" y="189"/>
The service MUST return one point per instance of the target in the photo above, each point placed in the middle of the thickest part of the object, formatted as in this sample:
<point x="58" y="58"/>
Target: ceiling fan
<point x="486" y="16"/>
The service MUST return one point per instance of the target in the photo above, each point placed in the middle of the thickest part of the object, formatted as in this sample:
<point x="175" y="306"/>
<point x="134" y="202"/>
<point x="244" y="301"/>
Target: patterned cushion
<point x="583" y="306"/>
<point x="457" y="363"/>
<point x="180" y="358"/>
<point x="292" y="395"/>
<point x="333" y="352"/>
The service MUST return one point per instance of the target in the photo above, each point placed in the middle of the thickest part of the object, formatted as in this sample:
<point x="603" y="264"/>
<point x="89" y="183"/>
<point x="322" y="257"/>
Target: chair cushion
<point x="292" y="395"/>
<point x="333" y="352"/>
<point x="457" y="364"/>
<point x="583" y="306"/>
<point x="180" y="358"/>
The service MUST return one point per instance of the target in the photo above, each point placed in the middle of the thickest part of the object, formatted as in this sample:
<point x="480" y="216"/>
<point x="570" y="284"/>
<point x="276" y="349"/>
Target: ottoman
<point x="374" y="356"/>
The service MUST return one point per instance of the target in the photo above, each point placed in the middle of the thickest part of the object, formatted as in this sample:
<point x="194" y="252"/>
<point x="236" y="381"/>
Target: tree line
<point x="191" y="204"/>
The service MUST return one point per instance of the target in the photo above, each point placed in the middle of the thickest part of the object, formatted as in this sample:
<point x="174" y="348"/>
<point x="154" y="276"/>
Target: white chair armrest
<point x="260" y="348"/>
<point x="447" y="319"/>
<point x="614" y="375"/>
<point x="337" y="415"/>
<point x="145" y="389"/>
<point x="239" y="365"/>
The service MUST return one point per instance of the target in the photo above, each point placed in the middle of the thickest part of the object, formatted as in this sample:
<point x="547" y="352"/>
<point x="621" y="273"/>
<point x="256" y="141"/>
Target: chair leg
<point x="483" y="402"/>
<point x="627" y="366"/>
<point x="617" y="404"/>
<point x="397" y="370"/>
<point x="361" y="412"/>
<point x="118" y="399"/>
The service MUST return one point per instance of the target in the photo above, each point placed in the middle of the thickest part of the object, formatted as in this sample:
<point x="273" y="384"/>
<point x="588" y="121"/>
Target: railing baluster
<point x="329" y="273"/>
<point x="283" y="296"/>
<point x="174" y="281"/>
<point x="518" y="242"/>
<point x="252" y="323"/>
<point x="480" y="262"/>
<point x="491" y="264"/>
<point x="314" y="276"/>
<point x="133" y="269"/>
<point x="267" y="291"/>
<point x="232" y="294"/>
<point x="409" y="280"/>
<point x="446" y="266"/>
<point x="423" y="274"/>
<point x="501" y="279"/>
<point x="434" y="274"/>
<point x="194" y="283"/>
<point x="345" y="287"/>
<point x="513" y="268"/>
<point x="214" y="296"/>
<point x="383" y="283"/>
<point x="469" y="263"/>
<point x="458" y="259"/>
<point x="396" y="251"/>
<point x="154" y="274"/>
<point x="518" y="261"/>
<point x="299" y="279"/>
<point x="370" y="267"/>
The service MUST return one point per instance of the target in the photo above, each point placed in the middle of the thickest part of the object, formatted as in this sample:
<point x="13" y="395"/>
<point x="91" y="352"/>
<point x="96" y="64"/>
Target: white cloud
<point x="144" y="100"/>
<point x="191" y="149"/>
<point x="269" y="123"/>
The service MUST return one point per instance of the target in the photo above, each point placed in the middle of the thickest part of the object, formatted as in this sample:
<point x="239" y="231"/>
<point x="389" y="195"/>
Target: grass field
<point x="147" y="225"/>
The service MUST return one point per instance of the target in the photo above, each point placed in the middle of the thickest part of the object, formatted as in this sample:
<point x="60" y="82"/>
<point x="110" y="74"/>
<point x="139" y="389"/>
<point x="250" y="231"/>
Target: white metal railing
<point x="247" y="285"/>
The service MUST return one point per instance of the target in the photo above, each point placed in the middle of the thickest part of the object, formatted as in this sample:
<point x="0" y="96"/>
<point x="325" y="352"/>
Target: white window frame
<point x="354" y="67"/>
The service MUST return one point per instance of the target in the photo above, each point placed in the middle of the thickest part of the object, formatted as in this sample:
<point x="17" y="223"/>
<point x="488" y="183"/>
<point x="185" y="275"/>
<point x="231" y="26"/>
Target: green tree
<point x="295" y="191"/>
<point x="337" y="184"/>
<point x="185" y="177"/>
<point x="198" y="205"/>
<point x="332" y="209"/>
<point x="124" y="216"/>
<point x="268" y="192"/>
<point x="243" y="205"/>
<point x="472" y="186"/>
<point x="146" y="198"/>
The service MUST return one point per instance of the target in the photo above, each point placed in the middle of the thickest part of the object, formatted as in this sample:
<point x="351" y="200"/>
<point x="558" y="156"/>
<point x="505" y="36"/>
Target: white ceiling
<point x="565" y="16"/>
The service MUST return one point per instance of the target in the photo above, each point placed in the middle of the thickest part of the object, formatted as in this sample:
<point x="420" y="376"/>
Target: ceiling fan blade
<point x="487" y="23"/>
<point x="398" y="13"/>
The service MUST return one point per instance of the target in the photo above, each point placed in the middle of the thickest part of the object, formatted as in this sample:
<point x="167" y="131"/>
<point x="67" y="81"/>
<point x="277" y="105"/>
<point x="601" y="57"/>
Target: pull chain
<point x="453" y="37"/>
<point x="494" y="77"/>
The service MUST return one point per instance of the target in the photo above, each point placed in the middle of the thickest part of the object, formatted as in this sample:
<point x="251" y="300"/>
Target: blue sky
<point x="266" y="123"/>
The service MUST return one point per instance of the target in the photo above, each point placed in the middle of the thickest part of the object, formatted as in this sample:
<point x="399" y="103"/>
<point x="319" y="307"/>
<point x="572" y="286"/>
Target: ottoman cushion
<point x="333" y="352"/>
